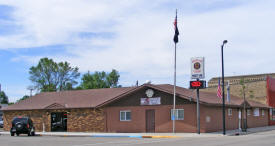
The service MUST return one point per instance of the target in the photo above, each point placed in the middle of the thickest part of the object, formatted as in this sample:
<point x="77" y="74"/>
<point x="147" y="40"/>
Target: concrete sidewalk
<point x="150" y="135"/>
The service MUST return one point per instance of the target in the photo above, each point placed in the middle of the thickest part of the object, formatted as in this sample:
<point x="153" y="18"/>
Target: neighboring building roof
<point x="99" y="97"/>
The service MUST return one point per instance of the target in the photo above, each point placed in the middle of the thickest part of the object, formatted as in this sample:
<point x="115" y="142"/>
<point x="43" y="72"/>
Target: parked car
<point x="22" y="125"/>
<point x="1" y="124"/>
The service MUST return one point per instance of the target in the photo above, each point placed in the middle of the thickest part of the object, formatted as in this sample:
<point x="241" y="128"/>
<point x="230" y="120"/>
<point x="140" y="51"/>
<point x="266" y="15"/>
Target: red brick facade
<point x="107" y="117"/>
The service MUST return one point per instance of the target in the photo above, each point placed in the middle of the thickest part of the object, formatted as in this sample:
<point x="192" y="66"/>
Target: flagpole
<point x="175" y="67"/>
<point x="174" y="104"/>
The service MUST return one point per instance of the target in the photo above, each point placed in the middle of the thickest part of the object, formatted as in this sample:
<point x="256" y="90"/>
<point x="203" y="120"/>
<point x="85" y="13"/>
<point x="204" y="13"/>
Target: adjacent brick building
<point x="270" y="89"/>
<point x="145" y="108"/>
<point x="259" y="87"/>
<point x="256" y="86"/>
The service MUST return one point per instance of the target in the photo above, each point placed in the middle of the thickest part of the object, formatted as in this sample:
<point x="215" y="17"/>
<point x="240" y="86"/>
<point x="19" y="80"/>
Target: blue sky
<point x="134" y="37"/>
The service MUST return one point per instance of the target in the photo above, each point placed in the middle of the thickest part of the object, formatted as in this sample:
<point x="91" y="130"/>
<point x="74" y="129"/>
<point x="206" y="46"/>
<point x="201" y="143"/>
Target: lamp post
<point x="223" y="104"/>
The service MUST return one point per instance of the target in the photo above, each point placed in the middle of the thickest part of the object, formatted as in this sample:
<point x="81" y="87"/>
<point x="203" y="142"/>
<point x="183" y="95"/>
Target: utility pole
<point x="31" y="88"/>
<point x="198" y="110"/>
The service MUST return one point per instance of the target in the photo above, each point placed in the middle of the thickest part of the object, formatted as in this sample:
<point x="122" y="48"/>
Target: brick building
<point x="255" y="86"/>
<point x="145" y="108"/>
<point x="259" y="88"/>
<point x="271" y="99"/>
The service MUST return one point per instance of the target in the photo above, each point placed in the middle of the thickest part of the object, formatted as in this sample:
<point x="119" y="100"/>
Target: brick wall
<point x="79" y="120"/>
<point x="39" y="117"/>
<point x="211" y="118"/>
<point x="86" y="120"/>
<point x="257" y="121"/>
<point x="163" y="122"/>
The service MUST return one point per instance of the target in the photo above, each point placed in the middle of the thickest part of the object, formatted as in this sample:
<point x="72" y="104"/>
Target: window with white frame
<point x="229" y="112"/>
<point x="256" y="112"/>
<point x="179" y="114"/>
<point x="262" y="112"/>
<point x="248" y="112"/>
<point x="125" y="115"/>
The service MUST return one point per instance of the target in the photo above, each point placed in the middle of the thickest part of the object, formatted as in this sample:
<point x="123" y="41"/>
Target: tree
<point x="112" y="79"/>
<point x="23" y="98"/>
<point x="51" y="76"/>
<point x="100" y="80"/>
<point x="3" y="98"/>
<point x="242" y="83"/>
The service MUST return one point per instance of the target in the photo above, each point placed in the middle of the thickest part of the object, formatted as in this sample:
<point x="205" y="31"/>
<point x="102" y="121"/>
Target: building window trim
<point x="123" y="115"/>
<point x="178" y="115"/>
<point x="256" y="112"/>
<point x="263" y="112"/>
<point x="229" y="112"/>
<point x="248" y="112"/>
<point x="272" y="114"/>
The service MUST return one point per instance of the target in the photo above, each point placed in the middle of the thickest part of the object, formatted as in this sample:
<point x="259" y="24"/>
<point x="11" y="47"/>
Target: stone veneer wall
<point x="79" y="120"/>
<point x="254" y="91"/>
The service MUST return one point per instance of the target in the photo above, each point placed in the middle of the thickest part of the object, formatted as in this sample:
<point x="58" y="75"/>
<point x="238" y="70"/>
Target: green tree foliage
<point x="23" y="98"/>
<point x="100" y="80"/>
<point x="112" y="79"/>
<point x="3" y="98"/>
<point x="51" y="76"/>
<point x="242" y="90"/>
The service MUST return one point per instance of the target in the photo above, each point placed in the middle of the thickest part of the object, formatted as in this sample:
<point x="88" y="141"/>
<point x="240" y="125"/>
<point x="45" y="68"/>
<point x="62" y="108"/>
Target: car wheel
<point x="12" y="134"/>
<point x="17" y="134"/>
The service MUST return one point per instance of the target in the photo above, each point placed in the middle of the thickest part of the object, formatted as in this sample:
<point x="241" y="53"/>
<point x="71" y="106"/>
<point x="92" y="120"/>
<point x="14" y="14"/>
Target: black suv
<point x="22" y="125"/>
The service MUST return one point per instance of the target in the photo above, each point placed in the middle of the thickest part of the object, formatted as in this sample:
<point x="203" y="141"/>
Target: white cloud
<point x="142" y="46"/>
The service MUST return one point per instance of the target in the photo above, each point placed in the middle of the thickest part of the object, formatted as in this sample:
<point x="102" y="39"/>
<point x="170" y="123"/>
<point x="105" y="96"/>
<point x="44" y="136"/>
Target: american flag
<point x="219" y="90"/>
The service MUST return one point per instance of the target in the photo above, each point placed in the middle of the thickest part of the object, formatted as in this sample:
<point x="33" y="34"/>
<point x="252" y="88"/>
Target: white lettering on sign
<point x="150" y="101"/>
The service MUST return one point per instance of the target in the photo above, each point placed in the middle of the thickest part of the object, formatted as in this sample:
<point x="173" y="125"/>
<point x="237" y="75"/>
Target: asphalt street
<point x="256" y="139"/>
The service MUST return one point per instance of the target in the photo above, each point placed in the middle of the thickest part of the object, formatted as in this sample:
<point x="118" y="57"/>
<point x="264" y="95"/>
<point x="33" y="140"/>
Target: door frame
<point x="150" y="123"/>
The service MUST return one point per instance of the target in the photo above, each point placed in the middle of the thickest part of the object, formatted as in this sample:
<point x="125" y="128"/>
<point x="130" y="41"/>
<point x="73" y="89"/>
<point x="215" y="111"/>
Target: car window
<point x="19" y="120"/>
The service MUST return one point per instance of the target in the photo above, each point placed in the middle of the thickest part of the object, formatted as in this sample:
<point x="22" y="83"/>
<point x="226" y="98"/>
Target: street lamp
<point x="223" y="104"/>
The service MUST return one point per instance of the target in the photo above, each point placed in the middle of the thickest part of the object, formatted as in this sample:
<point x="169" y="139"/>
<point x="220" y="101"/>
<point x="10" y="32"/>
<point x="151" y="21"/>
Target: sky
<point x="135" y="37"/>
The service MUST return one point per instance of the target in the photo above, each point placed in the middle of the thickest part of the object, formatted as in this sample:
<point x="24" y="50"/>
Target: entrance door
<point x="59" y="121"/>
<point x="150" y="120"/>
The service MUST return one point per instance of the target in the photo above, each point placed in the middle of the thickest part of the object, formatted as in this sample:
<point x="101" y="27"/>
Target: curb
<point x="118" y="136"/>
<point x="106" y="136"/>
<point x="160" y="136"/>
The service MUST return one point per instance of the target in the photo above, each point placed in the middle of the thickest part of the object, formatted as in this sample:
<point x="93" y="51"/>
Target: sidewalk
<point x="150" y="135"/>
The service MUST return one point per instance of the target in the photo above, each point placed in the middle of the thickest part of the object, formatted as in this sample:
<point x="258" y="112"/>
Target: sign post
<point x="197" y="72"/>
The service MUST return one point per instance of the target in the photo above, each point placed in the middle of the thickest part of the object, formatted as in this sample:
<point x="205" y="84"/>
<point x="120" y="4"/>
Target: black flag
<point x="176" y="39"/>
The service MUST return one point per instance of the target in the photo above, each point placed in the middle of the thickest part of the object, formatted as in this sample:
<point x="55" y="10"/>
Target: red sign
<point x="197" y="84"/>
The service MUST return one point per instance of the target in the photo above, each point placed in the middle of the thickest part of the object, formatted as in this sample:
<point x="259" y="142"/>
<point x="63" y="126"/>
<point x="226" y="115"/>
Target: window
<point x="179" y="114"/>
<point x="262" y="112"/>
<point x="272" y="114"/>
<point x="256" y="112"/>
<point x="125" y="115"/>
<point x="229" y="112"/>
<point x="248" y="112"/>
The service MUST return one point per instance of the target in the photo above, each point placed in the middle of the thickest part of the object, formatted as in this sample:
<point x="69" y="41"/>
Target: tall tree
<point x="100" y="80"/>
<point x="112" y="79"/>
<point x="51" y="76"/>
<point x="3" y="98"/>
